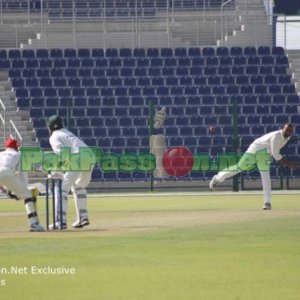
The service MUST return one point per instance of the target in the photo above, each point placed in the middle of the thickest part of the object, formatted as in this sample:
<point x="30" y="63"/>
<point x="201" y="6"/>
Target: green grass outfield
<point x="187" y="247"/>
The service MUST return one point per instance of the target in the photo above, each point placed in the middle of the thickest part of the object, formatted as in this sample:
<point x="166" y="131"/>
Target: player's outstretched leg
<point x="212" y="184"/>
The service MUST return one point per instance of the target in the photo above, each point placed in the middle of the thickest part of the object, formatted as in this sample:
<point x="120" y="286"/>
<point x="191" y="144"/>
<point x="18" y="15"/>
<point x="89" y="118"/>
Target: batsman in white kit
<point x="71" y="180"/>
<point x="16" y="181"/>
<point x="271" y="142"/>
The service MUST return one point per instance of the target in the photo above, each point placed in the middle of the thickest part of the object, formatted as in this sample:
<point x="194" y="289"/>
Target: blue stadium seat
<point x="276" y="109"/>
<point x="14" y="54"/>
<point x="289" y="89"/>
<point x="84" y="53"/>
<point x="277" y="51"/>
<point x="222" y="100"/>
<point x="212" y="61"/>
<point x="252" y="70"/>
<point x="102" y="82"/>
<point x="290" y="109"/>
<point x="214" y="80"/>
<point x="180" y="52"/>
<point x="104" y="143"/>
<point x="225" y="120"/>
<point x="74" y="82"/>
<point x="42" y="53"/>
<point x="73" y="63"/>
<point x="238" y="70"/>
<point x="284" y="79"/>
<point x="261" y="89"/>
<point x="182" y="71"/>
<point x="281" y="60"/>
<point x="170" y="62"/>
<point x="32" y="64"/>
<point x="292" y="99"/>
<point x="166" y="52"/>
<point x="18" y="64"/>
<point x="225" y="70"/>
<point x="236" y="51"/>
<point x="262" y="110"/>
<point x="240" y="60"/>
<point x="198" y="61"/>
<point x="244" y="130"/>
<point x="125" y="121"/>
<point x="70" y="53"/>
<point x="97" y="53"/>
<point x="246" y="89"/>
<point x="210" y="71"/>
<point x="258" y="130"/>
<point x="87" y="82"/>
<point x="226" y="61"/>
<point x="267" y="60"/>
<point x="56" y="53"/>
<point x="222" y="51"/>
<point x="218" y="90"/>
<point x="184" y="62"/>
<point x="251" y="100"/>
<point x="27" y="54"/>
<point x="208" y="51"/>
<point x="220" y="110"/>
<point x="59" y="82"/>
<point x="3" y="54"/>
<point x="243" y="80"/>
<point x="139" y="52"/>
<point x="206" y="110"/>
<point x="133" y="143"/>
<point x="38" y="103"/>
<point x="194" y="52"/>
<point x="249" y="51"/>
<point x="153" y="52"/>
<point x="85" y="132"/>
<point x="137" y="101"/>
<point x="264" y="50"/>
<point x="279" y="70"/>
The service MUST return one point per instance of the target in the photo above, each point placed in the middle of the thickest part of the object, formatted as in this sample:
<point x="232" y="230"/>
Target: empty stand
<point x="108" y="93"/>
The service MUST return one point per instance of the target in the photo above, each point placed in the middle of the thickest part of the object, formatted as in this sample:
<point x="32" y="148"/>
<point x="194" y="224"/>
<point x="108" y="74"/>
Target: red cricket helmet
<point x="11" y="143"/>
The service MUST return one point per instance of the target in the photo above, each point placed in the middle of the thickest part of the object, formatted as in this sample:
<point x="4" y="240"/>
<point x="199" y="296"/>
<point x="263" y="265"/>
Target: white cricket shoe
<point x="36" y="227"/>
<point x="267" y="206"/>
<point x="213" y="183"/>
<point x="58" y="226"/>
<point x="81" y="223"/>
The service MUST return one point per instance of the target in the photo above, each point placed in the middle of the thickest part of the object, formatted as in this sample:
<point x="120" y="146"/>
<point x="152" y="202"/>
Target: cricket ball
<point x="212" y="129"/>
<point x="178" y="161"/>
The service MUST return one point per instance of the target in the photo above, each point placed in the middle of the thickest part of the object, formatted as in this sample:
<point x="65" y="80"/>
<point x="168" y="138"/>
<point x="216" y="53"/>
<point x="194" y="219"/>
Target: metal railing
<point x="228" y="17"/>
<point x="3" y="117"/>
<point x="14" y="132"/>
<point x="171" y="26"/>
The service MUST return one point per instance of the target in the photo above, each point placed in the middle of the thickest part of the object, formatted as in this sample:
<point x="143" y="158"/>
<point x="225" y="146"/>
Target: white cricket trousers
<point x="265" y="179"/>
<point x="77" y="183"/>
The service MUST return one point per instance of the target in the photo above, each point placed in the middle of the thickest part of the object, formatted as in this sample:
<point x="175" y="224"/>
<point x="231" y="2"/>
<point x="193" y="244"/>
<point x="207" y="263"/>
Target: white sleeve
<point x="275" y="148"/>
<point x="56" y="144"/>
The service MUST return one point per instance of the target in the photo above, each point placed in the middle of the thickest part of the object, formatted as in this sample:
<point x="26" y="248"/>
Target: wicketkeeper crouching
<point x="9" y="166"/>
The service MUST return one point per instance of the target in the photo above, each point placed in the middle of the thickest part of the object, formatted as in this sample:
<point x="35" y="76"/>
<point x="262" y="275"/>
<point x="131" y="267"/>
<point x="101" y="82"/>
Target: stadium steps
<point x="294" y="59"/>
<point x="15" y="29"/>
<point x="20" y="118"/>
<point x="254" y="30"/>
<point x="60" y="35"/>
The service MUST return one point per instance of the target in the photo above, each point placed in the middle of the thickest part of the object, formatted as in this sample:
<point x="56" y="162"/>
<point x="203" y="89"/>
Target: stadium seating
<point x="108" y="93"/>
<point x="105" y="8"/>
